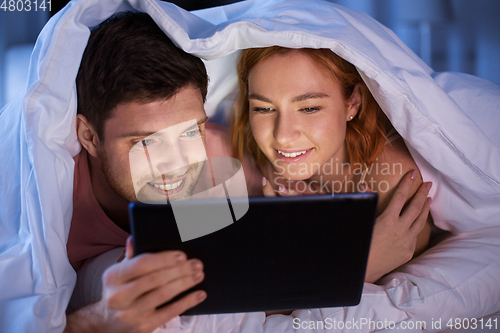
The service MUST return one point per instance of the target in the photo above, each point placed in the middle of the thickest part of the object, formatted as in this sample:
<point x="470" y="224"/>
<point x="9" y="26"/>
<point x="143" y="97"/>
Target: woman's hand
<point x="396" y="229"/>
<point x="282" y="190"/>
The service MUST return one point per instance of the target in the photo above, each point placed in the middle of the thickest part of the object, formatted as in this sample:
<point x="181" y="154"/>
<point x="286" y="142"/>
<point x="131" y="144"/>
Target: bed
<point x="449" y="122"/>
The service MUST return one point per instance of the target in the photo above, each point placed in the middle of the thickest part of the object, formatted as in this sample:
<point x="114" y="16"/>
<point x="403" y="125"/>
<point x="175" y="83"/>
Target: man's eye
<point x="192" y="134"/>
<point x="146" y="142"/>
<point x="263" y="110"/>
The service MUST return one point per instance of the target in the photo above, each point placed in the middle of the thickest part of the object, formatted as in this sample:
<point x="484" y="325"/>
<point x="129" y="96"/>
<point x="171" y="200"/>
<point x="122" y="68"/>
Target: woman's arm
<point x="396" y="229"/>
<point x="393" y="163"/>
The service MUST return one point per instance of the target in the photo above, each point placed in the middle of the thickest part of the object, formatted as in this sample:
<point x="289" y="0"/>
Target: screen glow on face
<point x="166" y="165"/>
<point x="172" y="165"/>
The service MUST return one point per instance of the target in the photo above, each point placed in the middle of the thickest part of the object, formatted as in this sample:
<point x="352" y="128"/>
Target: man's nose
<point x="285" y="128"/>
<point x="170" y="160"/>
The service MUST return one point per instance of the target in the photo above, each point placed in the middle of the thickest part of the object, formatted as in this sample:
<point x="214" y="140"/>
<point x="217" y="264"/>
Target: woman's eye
<point x="310" y="110"/>
<point x="263" y="110"/>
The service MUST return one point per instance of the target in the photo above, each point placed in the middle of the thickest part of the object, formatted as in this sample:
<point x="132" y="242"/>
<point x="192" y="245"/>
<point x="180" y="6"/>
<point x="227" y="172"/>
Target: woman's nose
<point x="286" y="129"/>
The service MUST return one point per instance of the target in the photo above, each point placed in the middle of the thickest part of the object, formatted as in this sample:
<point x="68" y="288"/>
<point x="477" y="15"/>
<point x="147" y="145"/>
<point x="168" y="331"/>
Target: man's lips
<point x="171" y="187"/>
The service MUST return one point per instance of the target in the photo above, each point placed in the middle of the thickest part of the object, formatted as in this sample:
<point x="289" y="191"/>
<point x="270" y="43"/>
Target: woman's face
<point x="298" y="115"/>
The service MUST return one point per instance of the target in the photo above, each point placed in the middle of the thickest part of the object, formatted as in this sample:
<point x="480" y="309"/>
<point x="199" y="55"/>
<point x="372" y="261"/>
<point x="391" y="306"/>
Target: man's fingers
<point x="128" y="252"/>
<point x="400" y="196"/>
<point x="415" y="206"/>
<point x="131" y="269"/>
<point x="129" y="248"/>
<point x="160" y="296"/>
<point x="166" y="313"/>
<point x="133" y="290"/>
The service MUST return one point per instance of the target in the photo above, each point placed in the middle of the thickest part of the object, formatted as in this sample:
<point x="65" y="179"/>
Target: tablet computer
<point x="284" y="253"/>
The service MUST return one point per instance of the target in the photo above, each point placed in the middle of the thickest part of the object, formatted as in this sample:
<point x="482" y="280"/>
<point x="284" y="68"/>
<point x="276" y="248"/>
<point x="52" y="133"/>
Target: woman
<point x="312" y="126"/>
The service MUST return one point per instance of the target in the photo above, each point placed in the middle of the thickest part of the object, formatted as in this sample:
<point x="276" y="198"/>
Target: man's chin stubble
<point x="196" y="170"/>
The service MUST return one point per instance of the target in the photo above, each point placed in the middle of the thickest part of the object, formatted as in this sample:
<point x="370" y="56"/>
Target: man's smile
<point x="168" y="186"/>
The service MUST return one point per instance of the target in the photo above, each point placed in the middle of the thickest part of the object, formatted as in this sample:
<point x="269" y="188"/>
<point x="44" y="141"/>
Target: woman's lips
<point x="292" y="156"/>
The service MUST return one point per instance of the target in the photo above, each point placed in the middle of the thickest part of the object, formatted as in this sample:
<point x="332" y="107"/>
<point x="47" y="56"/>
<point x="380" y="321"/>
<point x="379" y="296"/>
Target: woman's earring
<point x="350" y="117"/>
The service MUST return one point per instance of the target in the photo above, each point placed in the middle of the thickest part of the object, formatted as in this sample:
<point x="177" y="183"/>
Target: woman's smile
<point x="293" y="156"/>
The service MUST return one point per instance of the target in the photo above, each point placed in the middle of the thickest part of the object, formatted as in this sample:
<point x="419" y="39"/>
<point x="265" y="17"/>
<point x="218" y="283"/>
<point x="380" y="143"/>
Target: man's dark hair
<point x="130" y="59"/>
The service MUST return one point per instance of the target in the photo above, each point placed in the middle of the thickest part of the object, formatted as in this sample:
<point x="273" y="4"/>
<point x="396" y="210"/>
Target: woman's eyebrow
<point x="299" y="98"/>
<point x="259" y="98"/>
<point x="308" y="96"/>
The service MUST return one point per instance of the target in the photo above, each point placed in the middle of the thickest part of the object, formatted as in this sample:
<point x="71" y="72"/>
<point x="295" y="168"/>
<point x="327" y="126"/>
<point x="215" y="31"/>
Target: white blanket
<point x="449" y="121"/>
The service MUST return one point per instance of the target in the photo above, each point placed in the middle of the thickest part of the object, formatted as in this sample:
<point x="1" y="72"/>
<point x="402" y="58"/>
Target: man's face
<point x="155" y="151"/>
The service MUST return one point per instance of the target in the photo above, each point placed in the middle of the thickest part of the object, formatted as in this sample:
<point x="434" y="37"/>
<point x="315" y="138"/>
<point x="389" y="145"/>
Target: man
<point x="134" y="84"/>
<point x="134" y="87"/>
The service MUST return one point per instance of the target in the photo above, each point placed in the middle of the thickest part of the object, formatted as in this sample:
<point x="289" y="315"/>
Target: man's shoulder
<point x="81" y="174"/>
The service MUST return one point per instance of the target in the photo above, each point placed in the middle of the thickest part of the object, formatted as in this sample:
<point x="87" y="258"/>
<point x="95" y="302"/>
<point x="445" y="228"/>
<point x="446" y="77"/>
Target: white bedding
<point x="449" y="121"/>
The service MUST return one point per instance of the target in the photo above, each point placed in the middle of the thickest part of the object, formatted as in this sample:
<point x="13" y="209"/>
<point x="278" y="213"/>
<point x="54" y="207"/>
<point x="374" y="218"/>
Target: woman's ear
<point x="354" y="102"/>
<point x="86" y="135"/>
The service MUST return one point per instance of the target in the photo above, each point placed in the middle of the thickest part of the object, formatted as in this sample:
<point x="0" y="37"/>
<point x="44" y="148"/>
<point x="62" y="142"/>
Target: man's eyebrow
<point x="137" y="134"/>
<point x="198" y="123"/>
<point x="148" y="133"/>
<point x="202" y="121"/>
<point x="308" y="96"/>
